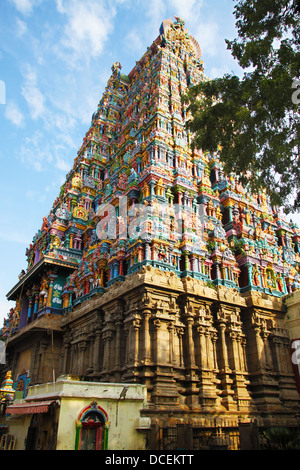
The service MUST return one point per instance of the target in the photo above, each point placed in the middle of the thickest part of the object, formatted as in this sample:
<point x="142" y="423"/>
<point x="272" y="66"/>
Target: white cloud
<point x="32" y="94"/>
<point x="156" y="11"/>
<point x="207" y="34"/>
<point x="136" y="43"/>
<point x="188" y="10"/>
<point x="24" y="6"/>
<point x="43" y="154"/>
<point x="61" y="164"/>
<point x="36" y="152"/>
<point x="55" y="184"/>
<point x="13" y="114"/>
<point x="86" y="29"/>
<point x="21" y="28"/>
<point x="59" y="120"/>
<point x="67" y="140"/>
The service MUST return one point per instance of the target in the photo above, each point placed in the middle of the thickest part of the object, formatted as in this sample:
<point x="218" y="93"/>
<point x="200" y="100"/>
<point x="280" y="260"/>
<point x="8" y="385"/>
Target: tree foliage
<point x="253" y="121"/>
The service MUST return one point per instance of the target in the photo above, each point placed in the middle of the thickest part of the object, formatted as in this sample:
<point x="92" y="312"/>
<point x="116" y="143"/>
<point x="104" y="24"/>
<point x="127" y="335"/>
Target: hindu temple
<point x="155" y="267"/>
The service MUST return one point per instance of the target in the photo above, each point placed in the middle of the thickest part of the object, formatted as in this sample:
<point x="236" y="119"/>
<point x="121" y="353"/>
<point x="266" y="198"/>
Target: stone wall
<point x="200" y="351"/>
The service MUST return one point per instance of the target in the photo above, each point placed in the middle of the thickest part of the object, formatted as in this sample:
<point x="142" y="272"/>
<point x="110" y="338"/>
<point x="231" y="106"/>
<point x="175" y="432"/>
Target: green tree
<point x="253" y="121"/>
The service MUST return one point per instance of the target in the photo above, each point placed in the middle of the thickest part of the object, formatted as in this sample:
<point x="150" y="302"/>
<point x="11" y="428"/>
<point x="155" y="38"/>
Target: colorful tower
<point x="153" y="266"/>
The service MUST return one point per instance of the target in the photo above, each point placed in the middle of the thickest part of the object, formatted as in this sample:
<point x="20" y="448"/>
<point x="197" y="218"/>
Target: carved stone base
<point x="200" y="351"/>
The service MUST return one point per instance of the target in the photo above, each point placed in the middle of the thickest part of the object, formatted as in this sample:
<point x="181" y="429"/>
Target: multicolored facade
<point x="151" y="254"/>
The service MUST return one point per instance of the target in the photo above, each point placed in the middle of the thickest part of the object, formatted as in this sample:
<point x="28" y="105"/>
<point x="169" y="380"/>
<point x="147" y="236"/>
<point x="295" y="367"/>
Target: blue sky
<point x="55" y="60"/>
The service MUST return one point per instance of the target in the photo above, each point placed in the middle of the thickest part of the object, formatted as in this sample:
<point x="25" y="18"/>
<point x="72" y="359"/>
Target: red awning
<point x="29" y="408"/>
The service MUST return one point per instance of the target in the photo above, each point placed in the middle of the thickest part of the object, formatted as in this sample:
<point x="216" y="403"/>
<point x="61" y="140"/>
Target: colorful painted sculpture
<point x="7" y="391"/>
<point x="139" y="195"/>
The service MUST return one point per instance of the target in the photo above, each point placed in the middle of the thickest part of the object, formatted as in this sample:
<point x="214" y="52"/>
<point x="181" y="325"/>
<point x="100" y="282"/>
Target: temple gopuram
<point x="155" y="267"/>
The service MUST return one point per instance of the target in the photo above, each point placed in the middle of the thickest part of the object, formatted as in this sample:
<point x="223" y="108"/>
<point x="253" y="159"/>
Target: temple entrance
<point x="42" y="432"/>
<point x="92" y="432"/>
<point x="32" y="434"/>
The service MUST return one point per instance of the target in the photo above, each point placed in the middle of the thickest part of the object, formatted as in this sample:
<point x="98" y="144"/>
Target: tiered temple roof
<point x="138" y="194"/>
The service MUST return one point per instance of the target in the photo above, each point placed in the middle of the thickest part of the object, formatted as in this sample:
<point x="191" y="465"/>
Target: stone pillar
<point x="278" y="354"/>
<point x="36" y="360"/>
<point x="207" y="395"/>
<point x="136" y="326"/>
<point x="81" y="364"/>
<point x="147" y="339"/>
<point x="286" y="359"/>
<point x="224" y="355"/>
<point x="91" y="353"/>
<point x="214" y="337"/>
<point x="96" y="355"/>
<point x="235" y="356"/>
<point x="156" y="324"/>
<point x="127" y="342"/>
<point x="74" y="359"/>
<point x="180" y="333"/>
<point x="171" y="342"/>
<point x="41" y="375"/>
<point x="260" y="360"/>
<point x="105" y="351"/>
<point x="208" y="351"/>
<point x="239" y="350"/>
<point x="202" y="355"/>
<point x="66" y="353"/>
<point x="225" y="371"/>
<point x="109" y="337"/>
<point x="118" y="326"/>
<point x="266" y="348"/>
<point x="244" y="355"/>
<point x="241" y="395"/>
<point x="190" y="342"/>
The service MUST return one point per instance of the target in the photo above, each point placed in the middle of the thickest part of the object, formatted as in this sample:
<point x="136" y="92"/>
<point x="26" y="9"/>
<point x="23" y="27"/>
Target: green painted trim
<point x="77" y="437"/>
<point x="105" y="438"/>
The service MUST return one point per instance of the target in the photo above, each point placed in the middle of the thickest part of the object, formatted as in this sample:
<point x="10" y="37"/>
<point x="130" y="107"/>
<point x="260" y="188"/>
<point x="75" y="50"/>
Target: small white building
<point x="71" y="414"/>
